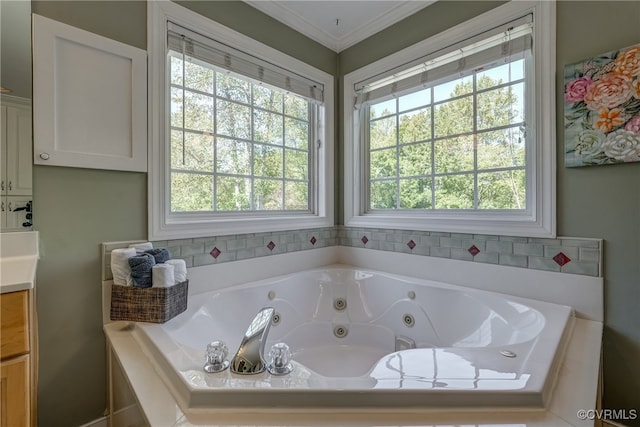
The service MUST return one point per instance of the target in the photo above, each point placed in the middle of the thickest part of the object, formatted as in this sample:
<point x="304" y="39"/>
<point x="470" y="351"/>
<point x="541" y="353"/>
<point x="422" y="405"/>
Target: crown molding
<point x="296" y="21"/>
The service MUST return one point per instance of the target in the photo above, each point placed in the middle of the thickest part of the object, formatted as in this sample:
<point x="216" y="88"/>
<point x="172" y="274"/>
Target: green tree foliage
<point x="436" y="154"/>
<point x="235" y="145"/>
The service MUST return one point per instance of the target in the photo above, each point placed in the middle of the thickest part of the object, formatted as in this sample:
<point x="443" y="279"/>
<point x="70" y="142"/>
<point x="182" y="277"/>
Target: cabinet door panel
<point x="14" y="310"/>
<point x="90" y="99"/>
<point x="14" y="392"/>
<point x="19" y="151"/>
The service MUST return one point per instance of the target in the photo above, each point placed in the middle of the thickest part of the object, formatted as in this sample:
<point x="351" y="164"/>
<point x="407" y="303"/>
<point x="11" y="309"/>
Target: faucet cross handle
<point x="216" y="357"/>
<point x="280" y="359"/>
<point x="249" y="358"/>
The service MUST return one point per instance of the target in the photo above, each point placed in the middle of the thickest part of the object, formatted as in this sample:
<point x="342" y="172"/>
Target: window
<point x="459" y="138"/>
<point x="241" y="144"/>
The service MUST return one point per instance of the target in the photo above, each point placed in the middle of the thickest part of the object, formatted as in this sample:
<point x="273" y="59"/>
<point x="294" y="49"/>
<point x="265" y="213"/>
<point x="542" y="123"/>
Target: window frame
<point x="540" y="219"/>
<point x="162" y="223"/>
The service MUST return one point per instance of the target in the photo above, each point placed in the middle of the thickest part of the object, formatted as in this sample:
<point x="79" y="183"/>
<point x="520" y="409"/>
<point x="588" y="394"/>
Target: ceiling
<point x="339" y="24"/>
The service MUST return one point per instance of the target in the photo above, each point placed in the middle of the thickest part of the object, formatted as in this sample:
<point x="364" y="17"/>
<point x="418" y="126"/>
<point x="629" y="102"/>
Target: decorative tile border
<point x="563" y="254"/>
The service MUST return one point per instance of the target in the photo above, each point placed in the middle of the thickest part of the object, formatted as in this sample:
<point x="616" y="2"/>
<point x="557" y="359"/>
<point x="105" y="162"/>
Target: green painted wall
<point x="77" y="209"/>
<point x="601" y="202"/>
<point x="604" y="201"/>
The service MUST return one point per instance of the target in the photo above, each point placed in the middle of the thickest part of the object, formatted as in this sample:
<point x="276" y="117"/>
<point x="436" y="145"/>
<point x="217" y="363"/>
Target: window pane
<point x="383" y="163"/>
<point x="266" y="98"/>
<point x="196" y="154"/>
<point x="454" y="117"/>
<point x="502" y="148"/>
<point x="176" y="107"/>
<point x="267" y="161"/>
<point x="382" y="109"/>
<point x="453" y="89"/>
<point x="415" y="193"/>
<point x="176" y="70"/>
<point x="233" y="119"/>
<point x="267" y="127"/>
<point x="383" y="195"/>
<point x="233" y="194"/>
<point x="296" y="107"/>
<point x="454" y="154"/>
<point x="415" y="159"/>
<point x="198" y="77"/>
<point x="501" y="107"/>
<point x="198" y="111"/>
<point x="415" y="126"/>
<point x="506" y="73"/>
<point x="232" y="88"/>
<point x="296" y="133"/>
<point x="414" y="100"/>
<point x="382" y="133"/>
<point x="296" y="195"/>
<point x="191" y="192"/>
<point x="267" y="194"/>
<point x="233" y="157"/>
<point x="454" y="192"/>
<point x="296" y="164"/>
<point x="502" y="190"/>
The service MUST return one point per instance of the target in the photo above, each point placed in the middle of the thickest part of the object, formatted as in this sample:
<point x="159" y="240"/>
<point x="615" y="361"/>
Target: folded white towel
<point x="141" y="247"/>
<point x="179" y="270"/>
<point x="120" y="268"/>
<point x="162" y="275"/>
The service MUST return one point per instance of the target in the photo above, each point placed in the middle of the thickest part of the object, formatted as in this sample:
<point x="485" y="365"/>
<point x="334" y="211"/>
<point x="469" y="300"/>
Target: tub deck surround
<point x="463" y="340"/>
<point x="573" y="391"/>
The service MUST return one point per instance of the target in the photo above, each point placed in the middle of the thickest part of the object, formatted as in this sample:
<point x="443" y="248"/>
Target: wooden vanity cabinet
<point x="17" y="386"/>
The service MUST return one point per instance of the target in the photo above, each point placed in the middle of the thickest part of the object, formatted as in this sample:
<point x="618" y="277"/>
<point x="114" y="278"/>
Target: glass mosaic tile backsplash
<point x="563" y="254"/>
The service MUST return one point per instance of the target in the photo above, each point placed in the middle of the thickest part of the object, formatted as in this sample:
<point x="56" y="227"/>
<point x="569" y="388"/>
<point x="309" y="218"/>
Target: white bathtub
<point x="463" y="339"/>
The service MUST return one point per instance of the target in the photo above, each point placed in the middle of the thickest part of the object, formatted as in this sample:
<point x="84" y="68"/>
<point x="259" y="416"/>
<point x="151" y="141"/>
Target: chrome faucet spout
<point x="249" y="358"/>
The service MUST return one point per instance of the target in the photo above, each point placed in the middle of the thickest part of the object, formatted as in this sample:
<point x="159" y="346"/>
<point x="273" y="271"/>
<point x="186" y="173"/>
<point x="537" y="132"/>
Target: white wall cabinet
<point x="15" y="161"/>
<point x="16" y="158"/>
<point x="13" y="215"/>
<point x="90" y="95"/>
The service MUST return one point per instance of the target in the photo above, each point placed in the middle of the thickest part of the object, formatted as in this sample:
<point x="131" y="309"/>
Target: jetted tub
<point x="352" y="333"/>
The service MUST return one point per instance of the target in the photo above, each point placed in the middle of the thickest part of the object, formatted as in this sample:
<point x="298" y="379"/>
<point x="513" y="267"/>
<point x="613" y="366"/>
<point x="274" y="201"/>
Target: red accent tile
<point x="411" y="244"/>
<point x="313" y="240"/>
<point x="364" y="239"/>
<point x="215" y="252"/>
<point x="561" y="259"/>
<point x="473" y="250"/>
<point x="271" y="245"/>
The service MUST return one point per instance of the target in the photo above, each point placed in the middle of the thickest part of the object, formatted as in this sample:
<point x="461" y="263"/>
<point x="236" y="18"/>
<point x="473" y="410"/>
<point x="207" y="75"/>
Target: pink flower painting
<point x="602" y="109"/>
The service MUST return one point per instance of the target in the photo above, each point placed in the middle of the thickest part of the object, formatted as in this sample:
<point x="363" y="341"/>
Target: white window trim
<point x="541" y="221"/>
<point x="161" y="226"/>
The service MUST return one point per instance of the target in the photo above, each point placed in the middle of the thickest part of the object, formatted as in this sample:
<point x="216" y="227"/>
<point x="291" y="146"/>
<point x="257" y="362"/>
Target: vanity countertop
<point x="17" y="273"/>
<point x="18" y="260"/>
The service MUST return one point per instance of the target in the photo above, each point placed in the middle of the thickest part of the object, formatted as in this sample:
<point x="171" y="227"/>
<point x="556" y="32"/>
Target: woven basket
<point x="155" y="305"/>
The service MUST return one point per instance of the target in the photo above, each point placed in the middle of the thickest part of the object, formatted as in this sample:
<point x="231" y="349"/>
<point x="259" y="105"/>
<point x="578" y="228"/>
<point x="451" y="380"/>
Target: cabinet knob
<point x="44" y="156"/>
<point x="10" y="186"/>
<point x="2" y="186"/>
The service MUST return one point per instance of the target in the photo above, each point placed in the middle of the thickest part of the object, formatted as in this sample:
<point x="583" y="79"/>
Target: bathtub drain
<point x="340" y="331"/>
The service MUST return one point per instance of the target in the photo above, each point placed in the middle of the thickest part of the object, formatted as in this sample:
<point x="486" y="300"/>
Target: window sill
<point x="199" y="228"/>
<point x="490" y="224"/>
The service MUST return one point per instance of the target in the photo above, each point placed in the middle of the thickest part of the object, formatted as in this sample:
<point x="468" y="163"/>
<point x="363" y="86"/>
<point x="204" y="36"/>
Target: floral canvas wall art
<point x="602" y="109"/>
